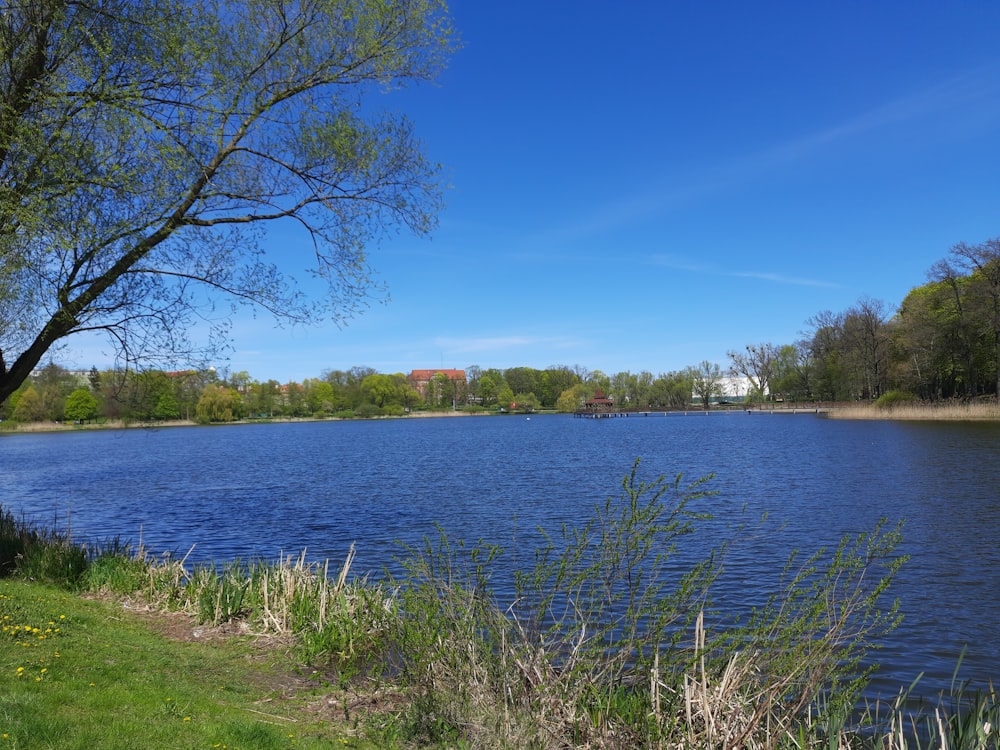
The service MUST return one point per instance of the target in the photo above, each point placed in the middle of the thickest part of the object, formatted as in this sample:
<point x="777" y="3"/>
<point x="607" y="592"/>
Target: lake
<point x="263" y="490"/>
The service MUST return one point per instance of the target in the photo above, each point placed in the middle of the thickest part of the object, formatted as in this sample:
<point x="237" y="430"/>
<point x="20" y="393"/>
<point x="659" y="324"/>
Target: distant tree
<point x="320" y="396"/>
<point x="828" y="356"/>
<point x="573" y="398"/>
<point x="487" y="389"/>
<point x="672" y="390"/>
<point x="81" y="406"/>
<point x="522" y="379"/>
<point x="265" y="398"/>
<point x="940" y="357"/>
<point x="756" y="363"/>
<point x="166" y="407"/>
<point x="869" y="345"/>
<point x="381" y="390"/>
<point x="554" y="380"/>
<point x="623" y="389"/>
<point x="707" y="382"/>
<point x="505" y="396"/>
<point x="526" y="402"/>
<point x="218" y="404"/>
<point x="29" y="407"/>
<point x="981" y="264"/>
<point x="442" y="392"/>
<point x="295" y="400"/>
<point x="791" y="373"/>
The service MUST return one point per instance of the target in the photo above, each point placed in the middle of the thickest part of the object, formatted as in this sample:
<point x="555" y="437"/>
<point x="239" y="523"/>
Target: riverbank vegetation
<point x="911" y="410"/>
<point x="597" y="640"/>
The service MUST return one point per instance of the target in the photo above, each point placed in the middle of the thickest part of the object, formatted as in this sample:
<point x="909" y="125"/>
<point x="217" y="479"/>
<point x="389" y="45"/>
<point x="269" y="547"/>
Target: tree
<point x="672" y="389"/>
<point x="319" y="396"/>
<point x="523" y="379"/>
<point x="29" y="406"/>
<point x="757" y="364"/>
<point x="80" y="405"/>
<point x="487" y="389"/>
<point x="573" y="398"/>
<point x="981" y="263"/>
<point x="526" y="402"/>
<point x="553" y="382"/>
<point x="707" y="382"/>
<point x="218" y="404"/>
<point x="166" y="407"/>
<point x="145" y="145"/>
<point x="790" y="376"/>
<point x="381" y="390"/>
<point x="869" y="344"/>
<point x="505" y="396"/>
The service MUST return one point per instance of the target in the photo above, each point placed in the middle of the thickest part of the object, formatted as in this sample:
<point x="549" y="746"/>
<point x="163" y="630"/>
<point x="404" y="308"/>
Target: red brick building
<point x="450" y="385"/>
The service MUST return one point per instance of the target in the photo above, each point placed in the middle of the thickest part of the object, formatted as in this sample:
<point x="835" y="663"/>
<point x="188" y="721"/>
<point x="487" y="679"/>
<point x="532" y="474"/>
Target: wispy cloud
<point x="681" y="264"/>
<point x="975" y="93"/>
<point x="961" y="93"/>
<point x="778" y="278"/>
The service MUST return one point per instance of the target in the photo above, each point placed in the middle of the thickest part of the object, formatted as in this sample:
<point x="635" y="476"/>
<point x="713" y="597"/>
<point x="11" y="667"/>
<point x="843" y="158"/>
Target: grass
<point x="84" y="673"/>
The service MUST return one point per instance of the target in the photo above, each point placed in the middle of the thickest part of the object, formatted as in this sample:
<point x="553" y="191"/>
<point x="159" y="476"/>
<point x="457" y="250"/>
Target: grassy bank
<point x="603" y="645"/>
<point x="83" y="673"/>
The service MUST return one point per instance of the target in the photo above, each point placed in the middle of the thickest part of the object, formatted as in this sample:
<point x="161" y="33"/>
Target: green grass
<point x="82" y="673"/>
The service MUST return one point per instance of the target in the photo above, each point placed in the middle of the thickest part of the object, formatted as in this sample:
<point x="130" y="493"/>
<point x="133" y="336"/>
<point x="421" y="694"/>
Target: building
<point x="426" y="383"/>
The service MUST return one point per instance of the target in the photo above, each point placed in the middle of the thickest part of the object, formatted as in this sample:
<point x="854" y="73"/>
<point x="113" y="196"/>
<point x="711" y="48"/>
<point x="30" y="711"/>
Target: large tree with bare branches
<point x="145" y="145"/>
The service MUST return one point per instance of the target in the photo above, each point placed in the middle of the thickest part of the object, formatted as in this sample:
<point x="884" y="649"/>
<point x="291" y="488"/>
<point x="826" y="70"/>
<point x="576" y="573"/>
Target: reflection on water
<point x="262" y="490"/>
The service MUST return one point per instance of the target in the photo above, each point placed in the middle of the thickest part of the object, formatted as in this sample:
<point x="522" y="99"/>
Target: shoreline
<point x="11" y="427"/>
<point x="948" y="412"/>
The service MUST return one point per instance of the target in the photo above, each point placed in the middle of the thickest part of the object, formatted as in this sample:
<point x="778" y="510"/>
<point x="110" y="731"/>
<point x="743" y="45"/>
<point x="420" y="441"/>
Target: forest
<point x="941" y="342"/>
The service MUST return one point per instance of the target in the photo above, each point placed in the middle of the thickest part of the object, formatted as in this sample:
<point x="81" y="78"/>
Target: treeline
<point x="58" y="394"/>
<point x="942" y="342"/>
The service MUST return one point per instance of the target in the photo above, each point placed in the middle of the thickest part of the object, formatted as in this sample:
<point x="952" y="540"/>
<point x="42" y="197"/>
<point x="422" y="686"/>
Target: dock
<point x="696" y="412"/>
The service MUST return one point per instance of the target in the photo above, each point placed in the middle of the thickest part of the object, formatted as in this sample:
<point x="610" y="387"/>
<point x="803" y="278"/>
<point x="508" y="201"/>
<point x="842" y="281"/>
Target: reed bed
<point x="921" y="411"/>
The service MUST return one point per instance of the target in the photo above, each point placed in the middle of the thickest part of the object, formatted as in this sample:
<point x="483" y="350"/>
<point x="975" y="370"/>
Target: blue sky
<point x="646" y="185"/>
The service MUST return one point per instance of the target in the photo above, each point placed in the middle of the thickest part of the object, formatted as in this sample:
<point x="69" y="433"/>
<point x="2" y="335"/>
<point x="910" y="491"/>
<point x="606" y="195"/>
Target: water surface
<point x="264" y="490"/>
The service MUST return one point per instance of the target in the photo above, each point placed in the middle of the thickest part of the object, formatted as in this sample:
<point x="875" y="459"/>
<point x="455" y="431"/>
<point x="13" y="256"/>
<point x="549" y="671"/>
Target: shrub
<point x="889" y="399"/>
<point x="590" y="652"/>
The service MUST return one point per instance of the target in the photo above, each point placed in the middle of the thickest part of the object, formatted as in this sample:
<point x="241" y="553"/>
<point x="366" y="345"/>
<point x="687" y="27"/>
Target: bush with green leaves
<point x="592" y="648"/>
<point x="890" y="399"/>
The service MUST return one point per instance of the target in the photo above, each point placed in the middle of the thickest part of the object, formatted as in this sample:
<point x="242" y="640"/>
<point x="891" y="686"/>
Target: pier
<point x="611" y="413"/>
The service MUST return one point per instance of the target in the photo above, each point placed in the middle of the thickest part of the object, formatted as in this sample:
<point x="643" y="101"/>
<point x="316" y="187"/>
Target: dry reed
<point x="945" y="411"/>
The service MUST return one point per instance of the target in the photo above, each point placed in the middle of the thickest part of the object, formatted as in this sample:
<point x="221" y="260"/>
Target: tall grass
<point x="914" y="411"/>
<point x="39" y="554"/>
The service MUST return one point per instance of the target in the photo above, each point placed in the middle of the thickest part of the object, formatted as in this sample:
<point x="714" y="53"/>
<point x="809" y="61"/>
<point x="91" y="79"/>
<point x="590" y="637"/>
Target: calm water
<point x="260" y="490"/>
